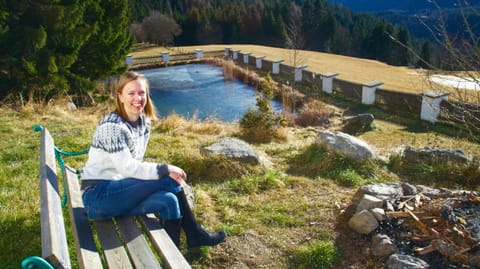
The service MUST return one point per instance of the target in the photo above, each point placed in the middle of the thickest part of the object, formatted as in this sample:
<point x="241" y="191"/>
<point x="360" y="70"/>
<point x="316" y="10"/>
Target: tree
<point x="425" y="58"/>
<point x="103" y="55"/>
<point x="41" y="44"/>
<point x="55" y="47"/>
<point x="461" y="57"/>
<point x="159" y="29"/>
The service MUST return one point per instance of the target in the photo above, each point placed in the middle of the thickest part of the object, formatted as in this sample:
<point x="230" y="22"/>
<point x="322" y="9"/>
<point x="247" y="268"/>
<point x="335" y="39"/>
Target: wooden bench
<point x="123" y="242"/>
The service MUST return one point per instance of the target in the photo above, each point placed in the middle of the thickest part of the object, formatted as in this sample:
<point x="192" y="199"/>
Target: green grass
<point x="294" y="198"/>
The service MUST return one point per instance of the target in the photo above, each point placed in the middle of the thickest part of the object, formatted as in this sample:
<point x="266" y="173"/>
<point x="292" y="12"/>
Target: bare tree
<point x="157" y="28"/>
<point x="459" y="71"/>
<point x="137" y="31"/>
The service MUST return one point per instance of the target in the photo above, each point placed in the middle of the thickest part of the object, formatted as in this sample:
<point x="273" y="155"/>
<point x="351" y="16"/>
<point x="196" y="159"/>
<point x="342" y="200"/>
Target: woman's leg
<point x="125" y="197"/>
<point x="196" y="235"/>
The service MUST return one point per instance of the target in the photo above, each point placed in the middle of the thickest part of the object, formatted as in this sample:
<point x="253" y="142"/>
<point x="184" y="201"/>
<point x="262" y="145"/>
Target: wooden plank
<point x="171" y="255"/>
<point x="141" y="254"/>
<point x="54" y="240"/>
<point x="87" y="253"/>
<point x="115" y="254"/>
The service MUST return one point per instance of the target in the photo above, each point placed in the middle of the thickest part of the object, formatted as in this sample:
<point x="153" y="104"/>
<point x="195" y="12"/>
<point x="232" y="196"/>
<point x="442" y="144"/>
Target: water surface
<point x="200" y="89"/>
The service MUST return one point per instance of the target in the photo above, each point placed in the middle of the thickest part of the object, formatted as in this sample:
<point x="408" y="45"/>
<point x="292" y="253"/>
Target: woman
<point x="116" y="181"/>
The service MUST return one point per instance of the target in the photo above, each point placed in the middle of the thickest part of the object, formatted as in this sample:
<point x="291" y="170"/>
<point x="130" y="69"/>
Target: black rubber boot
<point x="172" y="227"/>
<point x="196" y="235"/>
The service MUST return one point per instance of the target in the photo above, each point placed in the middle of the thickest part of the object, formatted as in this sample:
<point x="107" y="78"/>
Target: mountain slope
<point x="410" y="6"/>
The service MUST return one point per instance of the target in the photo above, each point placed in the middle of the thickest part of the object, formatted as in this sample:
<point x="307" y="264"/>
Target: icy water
<point x="200" y="89"/>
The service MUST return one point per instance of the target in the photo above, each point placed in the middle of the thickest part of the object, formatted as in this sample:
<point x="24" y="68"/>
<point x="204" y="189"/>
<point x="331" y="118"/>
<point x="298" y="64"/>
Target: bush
<point x="262" y="125"/>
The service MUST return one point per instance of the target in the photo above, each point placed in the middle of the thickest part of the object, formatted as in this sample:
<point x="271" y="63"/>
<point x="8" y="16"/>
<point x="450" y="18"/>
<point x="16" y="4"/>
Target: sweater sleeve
<point x="111" y="156"/>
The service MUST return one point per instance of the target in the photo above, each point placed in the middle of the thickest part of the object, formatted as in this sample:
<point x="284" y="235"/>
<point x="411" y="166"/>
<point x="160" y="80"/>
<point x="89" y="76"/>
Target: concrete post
<point x="245" y="57"/>
<point x="235" y="54"/>
<point x="258" y="62"/>
<point x="431" y="105"/>
<point x="129" y="60"/>
<point x="165" y="57"/>
<point x="327" y="82"/>
<point x="198" y="53"/>
<point x="368" y="92"/>
<point x="276" y="67"/>
<point x="299" y="72"/>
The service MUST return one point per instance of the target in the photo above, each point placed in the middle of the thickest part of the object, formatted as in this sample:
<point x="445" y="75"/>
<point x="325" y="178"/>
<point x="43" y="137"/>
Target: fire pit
<point x="440" y="227"/>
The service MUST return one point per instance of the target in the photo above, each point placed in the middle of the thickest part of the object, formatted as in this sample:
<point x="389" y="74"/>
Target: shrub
<point x="262" y="124"/>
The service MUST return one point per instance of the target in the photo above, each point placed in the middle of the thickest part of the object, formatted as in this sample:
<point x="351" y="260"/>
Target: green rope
<point x="58" y="156"/>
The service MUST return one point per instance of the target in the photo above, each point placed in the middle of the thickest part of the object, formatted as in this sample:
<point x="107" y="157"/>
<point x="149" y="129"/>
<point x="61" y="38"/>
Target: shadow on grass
<point x="20" y="239"/>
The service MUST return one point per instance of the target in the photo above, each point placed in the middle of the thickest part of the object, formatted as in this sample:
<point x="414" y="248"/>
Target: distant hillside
<point x="410" y="6"/>
<point x="416" y="14"/>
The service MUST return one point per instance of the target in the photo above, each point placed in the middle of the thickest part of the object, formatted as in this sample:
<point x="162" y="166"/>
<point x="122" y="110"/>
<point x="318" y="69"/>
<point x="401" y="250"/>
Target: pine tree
<point x="104" y="53"/>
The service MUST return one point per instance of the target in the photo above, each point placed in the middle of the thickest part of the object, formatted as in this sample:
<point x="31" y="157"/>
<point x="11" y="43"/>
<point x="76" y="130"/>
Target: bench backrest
<point x="54" y="240"/>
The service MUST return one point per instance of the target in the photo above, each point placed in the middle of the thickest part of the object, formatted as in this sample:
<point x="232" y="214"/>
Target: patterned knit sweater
<point x="117" y="151"/>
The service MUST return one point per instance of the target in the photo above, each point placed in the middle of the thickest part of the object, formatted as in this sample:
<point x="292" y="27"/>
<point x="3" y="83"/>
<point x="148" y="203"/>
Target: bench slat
<point x="54" y="240"/>
<point x="138" y="248"/>
<point x="87" y="253"/>
<point x="115" y="254"/>
<point x="162" y="242"/>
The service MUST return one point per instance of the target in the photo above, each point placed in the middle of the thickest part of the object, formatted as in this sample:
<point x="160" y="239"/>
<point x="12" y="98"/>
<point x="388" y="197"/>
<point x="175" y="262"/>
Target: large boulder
<point x="235" y="149"/>
<point x="346" y="145"/>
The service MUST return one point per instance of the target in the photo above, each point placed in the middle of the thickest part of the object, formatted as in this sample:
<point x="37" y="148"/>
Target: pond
<point x="200" y="90"/>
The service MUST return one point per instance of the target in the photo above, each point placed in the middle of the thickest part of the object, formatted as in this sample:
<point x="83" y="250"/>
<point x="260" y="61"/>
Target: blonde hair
<point x="125" y="78"/>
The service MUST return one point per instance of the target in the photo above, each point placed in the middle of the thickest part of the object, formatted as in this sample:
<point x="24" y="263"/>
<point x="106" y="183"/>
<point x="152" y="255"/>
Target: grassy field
<point x="283" y="214"/>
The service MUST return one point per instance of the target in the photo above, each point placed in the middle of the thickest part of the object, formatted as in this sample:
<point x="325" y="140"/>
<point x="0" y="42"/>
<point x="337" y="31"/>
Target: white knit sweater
<point x="117" y="151"/>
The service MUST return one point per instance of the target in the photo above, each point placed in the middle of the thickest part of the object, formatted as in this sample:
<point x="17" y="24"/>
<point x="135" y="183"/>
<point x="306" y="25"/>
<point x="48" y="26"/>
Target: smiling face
<point x="133" y="98"/>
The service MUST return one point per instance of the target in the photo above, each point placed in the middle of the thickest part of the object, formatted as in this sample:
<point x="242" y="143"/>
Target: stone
<point x="434" y="155"/>
<point x="235" y="149"/>
<point x="369" y="202"/>
<point x="385" y="191"/>
<point x="382" y="246"/>
<point x="358" y="124"/>
<point x="363" y="222"/>
<point x="346" y="145"/>
<point x="379" y="214"/>
<point x="400" y="261"/>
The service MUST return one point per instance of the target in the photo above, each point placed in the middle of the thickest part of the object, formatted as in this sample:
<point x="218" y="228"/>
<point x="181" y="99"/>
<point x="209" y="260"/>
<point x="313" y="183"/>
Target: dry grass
<point x="357" y="70"/>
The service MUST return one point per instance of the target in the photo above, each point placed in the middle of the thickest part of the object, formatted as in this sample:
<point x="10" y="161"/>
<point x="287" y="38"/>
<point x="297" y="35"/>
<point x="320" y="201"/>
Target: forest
<point x="64" y="47"/>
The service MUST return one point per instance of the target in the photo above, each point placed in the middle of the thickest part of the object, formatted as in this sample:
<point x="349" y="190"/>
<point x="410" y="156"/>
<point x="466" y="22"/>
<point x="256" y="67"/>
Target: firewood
<point x="418" y="223"/>
<point x="425" y="250"/>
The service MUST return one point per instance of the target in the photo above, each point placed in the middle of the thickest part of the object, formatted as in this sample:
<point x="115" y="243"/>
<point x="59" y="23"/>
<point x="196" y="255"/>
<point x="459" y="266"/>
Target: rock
<point x="363" y="222"/>
<point x="235" y="149"/>
<point x="382" y="246"/>
<point x="358" y="124"/>
<point x="379" y="214"/>
<point x="384" y="191"/>
<point x="434" y="155"/>
<point x="369" y="202"/>
<point x="399" y="261"/>
<point x="346" y="145"/>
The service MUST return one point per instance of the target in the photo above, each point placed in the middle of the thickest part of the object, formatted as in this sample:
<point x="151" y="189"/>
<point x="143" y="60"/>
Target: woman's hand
<point x="177" y="174"/>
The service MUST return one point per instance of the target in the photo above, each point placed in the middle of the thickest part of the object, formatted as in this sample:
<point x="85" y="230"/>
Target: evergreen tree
<point x="425" y="55"/>
<point x="104" y="53"/>
<point x="41" y="45"/>
<point x="403" y="48"/>
<point x="54" y="47"/>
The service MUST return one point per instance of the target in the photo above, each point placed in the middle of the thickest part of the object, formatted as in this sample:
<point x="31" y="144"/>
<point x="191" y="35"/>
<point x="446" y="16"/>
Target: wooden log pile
<point x="449" y="226"/>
